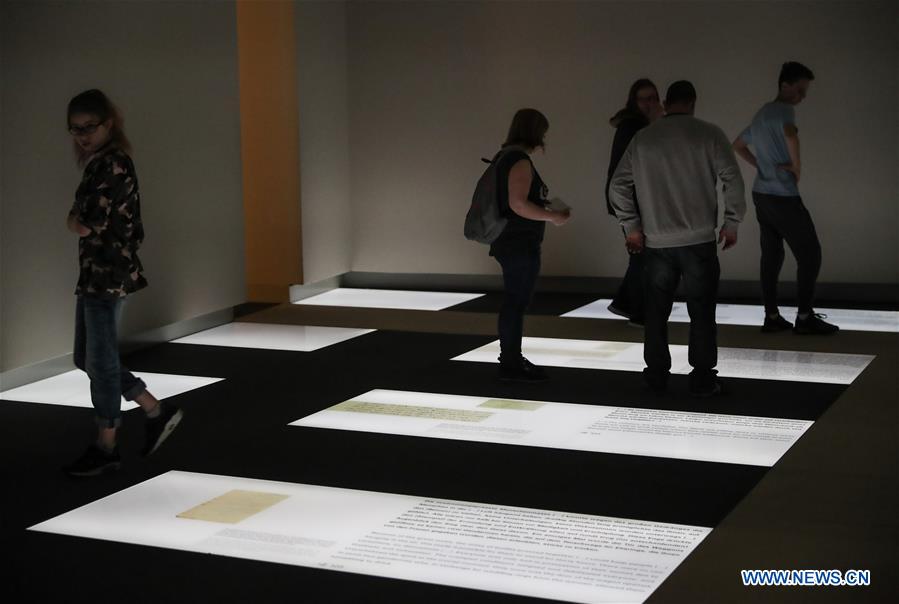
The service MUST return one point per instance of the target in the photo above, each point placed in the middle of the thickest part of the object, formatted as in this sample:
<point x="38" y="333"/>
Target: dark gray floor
<point x="830" y="503"/>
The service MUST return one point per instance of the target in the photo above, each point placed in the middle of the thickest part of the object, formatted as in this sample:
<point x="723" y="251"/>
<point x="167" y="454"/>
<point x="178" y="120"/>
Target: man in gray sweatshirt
<point x="673" y="167"/>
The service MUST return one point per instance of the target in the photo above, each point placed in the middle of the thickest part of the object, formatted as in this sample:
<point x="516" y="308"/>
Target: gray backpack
<point x="484" y="222"/>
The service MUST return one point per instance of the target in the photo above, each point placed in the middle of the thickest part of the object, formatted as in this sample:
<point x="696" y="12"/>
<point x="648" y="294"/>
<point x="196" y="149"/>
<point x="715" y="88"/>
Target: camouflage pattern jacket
<point x="108" y="203"/>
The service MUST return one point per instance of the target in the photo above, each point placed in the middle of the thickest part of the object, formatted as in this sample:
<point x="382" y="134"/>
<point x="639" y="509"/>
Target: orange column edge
<point x="269" y="131"/>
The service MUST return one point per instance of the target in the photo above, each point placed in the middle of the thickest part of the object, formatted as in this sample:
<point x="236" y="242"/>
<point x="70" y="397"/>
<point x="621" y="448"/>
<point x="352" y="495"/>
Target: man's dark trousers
<point x="699" y="268"/>
<point x="786" y="219"/>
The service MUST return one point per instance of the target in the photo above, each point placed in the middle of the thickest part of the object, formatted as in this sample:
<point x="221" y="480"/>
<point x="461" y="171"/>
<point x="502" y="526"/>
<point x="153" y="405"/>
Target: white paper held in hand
<point x="557" y="205"/>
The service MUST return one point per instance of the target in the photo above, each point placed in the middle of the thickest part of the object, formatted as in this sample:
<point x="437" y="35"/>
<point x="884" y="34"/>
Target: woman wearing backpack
<point x="522" y="199"/>
<point x="642" y="108"/>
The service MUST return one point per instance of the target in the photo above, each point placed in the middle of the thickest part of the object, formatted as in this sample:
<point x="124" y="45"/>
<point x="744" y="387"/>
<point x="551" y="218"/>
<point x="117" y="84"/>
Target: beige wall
<point x="172" y="67"/>
<point x="433" y="85"/>
<point x="324" y="140"/>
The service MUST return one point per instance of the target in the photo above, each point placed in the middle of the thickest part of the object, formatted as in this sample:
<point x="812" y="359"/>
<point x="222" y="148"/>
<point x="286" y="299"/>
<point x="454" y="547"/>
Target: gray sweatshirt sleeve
<point x="621" y="193"/>
<point x="728" y="172"/>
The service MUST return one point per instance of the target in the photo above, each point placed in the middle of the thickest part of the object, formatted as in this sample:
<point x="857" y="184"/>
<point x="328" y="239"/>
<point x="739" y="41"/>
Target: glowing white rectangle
<point x="747" y="314"/>
<point x="388" y="298"/>
<point x="514" y="550"/>
<point x="298" y="338"/>
<point x="825" y="367"/>
<point x="715" y="437"/>
<point x="73" y="388"/>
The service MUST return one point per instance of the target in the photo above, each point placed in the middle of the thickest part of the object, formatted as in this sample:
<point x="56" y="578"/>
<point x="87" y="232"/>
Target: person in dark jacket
<point x="106" y="218"/>
<point x="643" y="107"/>
<point x="523" y="200"/>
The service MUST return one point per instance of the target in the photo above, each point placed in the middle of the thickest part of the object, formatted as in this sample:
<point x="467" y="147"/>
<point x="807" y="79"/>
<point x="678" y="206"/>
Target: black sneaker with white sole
<point x="814" y="325"/>
<point x="95" y="461"/>
<point x="158" y="429"/>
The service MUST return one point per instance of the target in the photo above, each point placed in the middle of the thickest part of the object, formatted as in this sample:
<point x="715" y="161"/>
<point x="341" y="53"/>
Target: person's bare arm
<point x="519" y="185"/>
<point x="728" y="238"/>
<point x="791" y="134"/>
<point x="742" y="149"/>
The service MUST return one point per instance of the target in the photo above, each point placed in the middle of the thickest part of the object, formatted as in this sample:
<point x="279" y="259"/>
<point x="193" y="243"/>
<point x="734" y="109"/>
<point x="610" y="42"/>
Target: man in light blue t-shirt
<point x="774" y="137"/>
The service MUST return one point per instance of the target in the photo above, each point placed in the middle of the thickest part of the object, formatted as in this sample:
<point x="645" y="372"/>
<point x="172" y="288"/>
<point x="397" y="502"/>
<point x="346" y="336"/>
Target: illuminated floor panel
<point x="73" y="388"/>
<point x="749" y="363"/>
<point x="523" y="551"/>
<point x="299" y="338"/>
<point x="387" y="298"/>
<point x="746" y="314"/>
<point x="712" y="437"/>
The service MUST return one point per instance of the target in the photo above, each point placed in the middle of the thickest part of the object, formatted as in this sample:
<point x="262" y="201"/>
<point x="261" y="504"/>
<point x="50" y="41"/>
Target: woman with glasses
<point x="106" y="218"/>
<point x="522" y="198"/>
<point x="643" y="107"/>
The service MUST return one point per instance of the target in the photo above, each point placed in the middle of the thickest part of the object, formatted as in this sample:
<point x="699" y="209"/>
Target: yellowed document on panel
<point x="500" y="403"/>
<point x="233" y="507"/>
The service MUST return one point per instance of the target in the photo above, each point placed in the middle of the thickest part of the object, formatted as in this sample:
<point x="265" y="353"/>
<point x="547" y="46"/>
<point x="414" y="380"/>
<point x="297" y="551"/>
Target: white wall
<point x="324" y="138"/>
<point x="433" y="86"/>
<point x="172" y="67"/>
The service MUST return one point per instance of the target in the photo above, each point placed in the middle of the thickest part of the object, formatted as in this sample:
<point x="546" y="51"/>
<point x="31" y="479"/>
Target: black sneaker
<point x="160" y="428"/>
<point x="94" y="461"/>
<point x="636" y="322"/>
<point x="814" y="324"/>
<point x="522" y="371"/>
<point x="775" y="325"/>
<point x="656" y="382"/>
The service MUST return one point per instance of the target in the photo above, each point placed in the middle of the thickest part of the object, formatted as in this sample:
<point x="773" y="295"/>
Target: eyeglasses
<point x="85" y="129"/>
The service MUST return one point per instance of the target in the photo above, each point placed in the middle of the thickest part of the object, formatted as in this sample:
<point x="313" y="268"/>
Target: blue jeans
<point x="698" y="265"/>
<point x="520" y="270"/>
<point x="97" y="353"/>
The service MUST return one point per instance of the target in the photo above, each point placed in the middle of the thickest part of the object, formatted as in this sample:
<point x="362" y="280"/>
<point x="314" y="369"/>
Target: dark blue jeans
<point x="699" y="268"/>
<point x="520" y="270"/>
<point x="97" y="353"/>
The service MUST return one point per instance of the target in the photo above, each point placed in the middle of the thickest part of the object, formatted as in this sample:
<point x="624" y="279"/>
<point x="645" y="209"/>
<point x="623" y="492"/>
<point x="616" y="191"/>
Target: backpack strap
<point x="502" y="152"/>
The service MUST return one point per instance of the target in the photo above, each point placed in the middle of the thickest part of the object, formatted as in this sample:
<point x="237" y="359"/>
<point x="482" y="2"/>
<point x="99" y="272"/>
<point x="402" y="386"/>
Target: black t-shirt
<point x="520" y="234"/>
